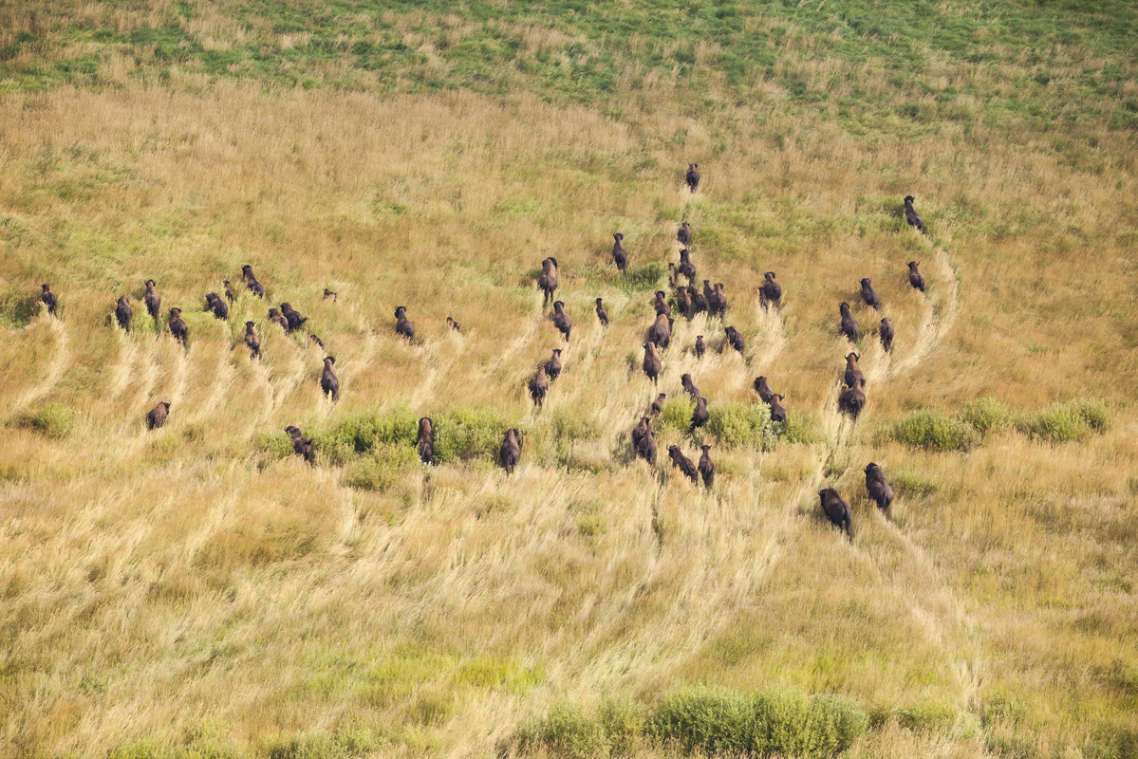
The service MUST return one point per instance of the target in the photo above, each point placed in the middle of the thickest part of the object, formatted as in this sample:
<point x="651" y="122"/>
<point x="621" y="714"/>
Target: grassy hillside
<point x="199" y="591"/>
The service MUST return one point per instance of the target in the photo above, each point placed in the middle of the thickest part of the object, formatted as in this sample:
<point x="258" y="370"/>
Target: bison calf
<point x="123" y="313"/>
<point x="885" y="331"/>
<point x="329" y="382"/>
<point x="706" y="466"/>
<point x="848" y="326"/>
<point x="602" y="314"/>
<point x="301" y="445"/>
<point x="561" y="320"/>
<point x="425" y="442"/>
<point x="683" y="463"/>
<point x="770" y="292"/>
<point x="511" y="450"/>
<point x="157" y="416"/>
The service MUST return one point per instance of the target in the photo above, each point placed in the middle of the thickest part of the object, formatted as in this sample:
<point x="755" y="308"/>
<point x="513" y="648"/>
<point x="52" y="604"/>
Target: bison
<point x="778" y="411"/>
<point x="602" y="314"/>
<point x="658" y="405"/>
<point x="301" y="445"/>
<point x="770" y="292"/>
<point x="217" y="306"/>
<point x="836" y="510"/>
<point x="915" y="278"/>
<point x="869" y="295"/>
<point x="692" y="177"/>
<point x="885" y="330"/>
<point x="251" y="281"/>
<point x="548" y="279"/>
<point x="689" y="386"/>
<point x="683" y="234"/>
<point x="619" y="257"/>
<point x="329" y="382"/>
<point x="178" y="327"/>
<point x="230" y="293"/>
<point x="706" y="466"/>
<point x="403" y="326"/>
<point x="153" y="300"/>
<point x="454" y="325"/>
<point x="683" y="463"/>
<point x="911" y="215"/>
<point x="553" y="365"/>
<point x="699" y="414"/>
<point x="156" y="417"/>
<point x="848" y="325"/>
<point x="251" y="340"/>
<point x="652" y="364"/>
<point x="49" y="299"/>
<point x="561" y="320"/>
<point x="276" y="317"/>
<point x="123" y="313"/>
<point x="700" y="346"/>
<point x="538" y="386"/>
<point x="644" y="441"/>
<point x="877" y="488"/>
<point x="425" y="442"/>
<point x="511" y="450"/>
<point x="734" y="338"/>
<point x="851" y="401"/>
<point x="763" y="389"/>
<point x="686" y="267"/>
<point x="853" y="376"/>
<point x="292" y="317"/>
<point x="660" y="333"/>
<point x="330" y="295"/>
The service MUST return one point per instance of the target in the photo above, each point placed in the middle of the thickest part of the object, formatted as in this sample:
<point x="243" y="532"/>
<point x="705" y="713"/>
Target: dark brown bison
<point x="315" y="340"/>
<point x="251" y="340"/>
<point x="869" y="295"/>
<point x="230" y="293"/>
<point x="700" y="346"/>
<point x="123" y="313"/>
<point x="301" y="445"/>
<point x="156" y="417"/>
<point x="683" y="234"/>
<point x="763" y="389"/>
<point x="778" y="411"/>
<point x="684" y="303"/>
<point x="836" y="510"/>
<point x="911" y="215"/>
<point x="770" y="292"/>
<point x="877" y="488"/>
<point x="511" y="451"/>
<point x="652" y="363"/>
<point x="660" y="304"/>
<point x="276" y="317"/>
<point x="538" y="386"/>
<point x="292" y="317"/>
<point x="660" y="333"/>
<point x="915" y="278"/>
<point x="425" y="442"/>
<point x="734" y="339"/>
<point x="217" y="306"/>
<point x="561" y="320"/>
<point x="329" y="382"/>
<point x="153" y="300"/>
<point x="602" y="314"/>
<point x="698" y="302"/>
<point x="689" y="386"/>
<point x="683" y="463"/>
<point x="454" y="325"/>
<point x="692" y="177"/>
<point x="720" y="299"/>
<point x="673" y="275"/>
<point x="706" y="466"/>
<point x="699" y="414"/>
<point x="553" y="365"/>
<point x="886" y="332"/>
<point x="658" y="404"/>
<point x="548" y="279"/>
<point x="49" y="299"/>
<point x="853" y="376"/>
<point x="686" y="267"/>
<point x="619" y="257"/>
<point x="251" y="281"/>
<point x="644" y="441"/>
<point x="851" y="401"/>
<point x="330" y="295"/>
<point x="848" y="325"/>
<point x="178" y="327"/>
<point x="403" y="326"/>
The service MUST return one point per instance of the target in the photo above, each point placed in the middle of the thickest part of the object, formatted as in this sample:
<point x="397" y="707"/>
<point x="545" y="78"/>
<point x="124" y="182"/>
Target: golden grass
<point x="158" y="585"/>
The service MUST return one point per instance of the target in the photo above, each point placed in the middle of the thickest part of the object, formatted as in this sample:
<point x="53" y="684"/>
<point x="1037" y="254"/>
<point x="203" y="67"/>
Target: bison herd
<point x="686" y="300"/>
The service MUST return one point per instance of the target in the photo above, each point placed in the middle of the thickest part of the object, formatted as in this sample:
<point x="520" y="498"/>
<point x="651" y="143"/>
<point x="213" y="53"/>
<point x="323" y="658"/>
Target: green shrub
<point x="381" y="468"/>
<point x="622" y="722"/>
<point x="677" y="413"/>
<point x="784" y="723"/>
<point x="986" y="415"/>
<point x="566" y="732"/>
<point x="911" y="485"/>
<point x="704" y="720"/>
<point x="365" y="432"/>
<point x="741" y="424"/>
<point x="51" y="420"/>
<point x="930" y="718"/>
<point x="18" y="307"/>
<point x="467" y="434"/>
<point x="274" y="445"/>
<point x="935" y="432"/>
<point x="337" y="746"/>
<point x="800" y="427"/>
<point x="1066" y="422"/>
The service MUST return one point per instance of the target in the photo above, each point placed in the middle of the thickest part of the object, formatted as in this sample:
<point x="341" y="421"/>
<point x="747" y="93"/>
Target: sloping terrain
<point x="198" y="590"/>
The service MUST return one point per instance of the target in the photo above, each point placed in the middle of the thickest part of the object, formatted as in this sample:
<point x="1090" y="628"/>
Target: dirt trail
<point x="60" y="360"/>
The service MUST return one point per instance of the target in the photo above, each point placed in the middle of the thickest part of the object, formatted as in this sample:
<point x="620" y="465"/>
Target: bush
<point x="363" y="433"/>
<point x="51" y="420"/>
<point x="911" y="485"/>
<point x="467" y="434"/>
<point x="931" y="718"/>
<point x="677" y="413"/>
<point x="784" y="723"/>
<point x="641" y="278"/>
<point x="18" y="307"/>
<point x="934" y="432"/>
<point x="566" y="732"/>
<point x="338" y="746"/>
<point x="1065" y="423"/>
<point x="738" y="424"/>
<point x="379" y="470"/>
<point x="986" y="415"/>
<point x="800" y="427"/>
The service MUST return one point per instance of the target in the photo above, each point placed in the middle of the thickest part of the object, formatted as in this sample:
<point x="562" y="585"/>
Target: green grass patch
<point x="741" y="424"/>
<point x="1066" y="422"/>
<point x="934" y="431"/>
<point x="50" y="420"/>
<point x="986" y="415"/>
<point x="381" y="468"/>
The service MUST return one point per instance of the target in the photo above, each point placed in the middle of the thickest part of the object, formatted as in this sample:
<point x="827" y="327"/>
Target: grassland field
<point x="199" y="591"/>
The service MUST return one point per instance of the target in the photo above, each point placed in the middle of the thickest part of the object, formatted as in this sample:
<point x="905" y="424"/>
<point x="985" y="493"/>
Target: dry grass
<point x="183" y="588"/>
